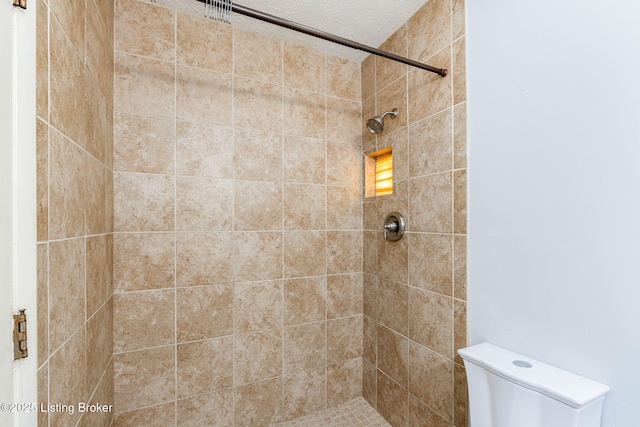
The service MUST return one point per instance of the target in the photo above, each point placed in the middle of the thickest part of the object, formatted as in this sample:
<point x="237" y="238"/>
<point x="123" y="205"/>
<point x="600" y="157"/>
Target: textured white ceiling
<point x="369" y="22"/>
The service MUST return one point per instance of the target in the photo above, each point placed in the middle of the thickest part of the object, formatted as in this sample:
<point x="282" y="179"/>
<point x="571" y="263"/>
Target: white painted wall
<point x="554" y="187"/>
<point x="18" y="267"/>
<point x="6" y="211"/>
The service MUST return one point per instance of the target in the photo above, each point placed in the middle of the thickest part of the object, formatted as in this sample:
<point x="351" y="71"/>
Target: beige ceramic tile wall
<point x="415" y="289"/>
<point x="75" y="208"/>
<point x="238" y="224"/>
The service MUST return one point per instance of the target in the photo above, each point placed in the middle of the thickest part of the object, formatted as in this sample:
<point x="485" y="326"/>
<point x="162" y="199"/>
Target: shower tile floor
<point x="354" y="413"/>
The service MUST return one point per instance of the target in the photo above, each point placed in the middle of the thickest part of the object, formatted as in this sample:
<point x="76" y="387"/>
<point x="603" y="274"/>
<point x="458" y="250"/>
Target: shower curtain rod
<point x="252" y="13"/>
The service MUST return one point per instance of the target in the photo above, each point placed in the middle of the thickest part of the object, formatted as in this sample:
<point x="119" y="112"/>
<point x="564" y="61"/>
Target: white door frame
<point x="18" y="256"/>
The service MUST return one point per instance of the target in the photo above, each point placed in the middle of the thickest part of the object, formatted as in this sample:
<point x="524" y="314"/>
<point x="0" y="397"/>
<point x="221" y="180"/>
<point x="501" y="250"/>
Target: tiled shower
<point x="206" y="254"/>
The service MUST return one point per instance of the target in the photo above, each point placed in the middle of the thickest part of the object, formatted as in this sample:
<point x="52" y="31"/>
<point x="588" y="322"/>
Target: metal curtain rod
<point x="252" y="13"/>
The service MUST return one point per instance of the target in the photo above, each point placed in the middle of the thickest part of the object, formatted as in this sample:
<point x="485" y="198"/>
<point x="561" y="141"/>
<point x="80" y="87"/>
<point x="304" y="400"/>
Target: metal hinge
<point x="20" y="3"/>
<point x="20" y="350"/>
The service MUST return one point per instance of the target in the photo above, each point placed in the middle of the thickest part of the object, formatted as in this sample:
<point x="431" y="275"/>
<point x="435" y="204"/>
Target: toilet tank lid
<point x="569" y="388"/>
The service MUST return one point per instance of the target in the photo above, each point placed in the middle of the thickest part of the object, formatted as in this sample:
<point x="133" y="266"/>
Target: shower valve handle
<point x="393" y="226"/>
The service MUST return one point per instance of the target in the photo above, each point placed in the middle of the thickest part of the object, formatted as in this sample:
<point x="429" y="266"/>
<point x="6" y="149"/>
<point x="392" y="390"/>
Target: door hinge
<point x="20" y="350"/>
<point x="20" y="3"/>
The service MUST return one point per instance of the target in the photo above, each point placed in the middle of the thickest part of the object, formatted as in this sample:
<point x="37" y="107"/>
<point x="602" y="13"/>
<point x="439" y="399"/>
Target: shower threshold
<point x="356" y="412"/>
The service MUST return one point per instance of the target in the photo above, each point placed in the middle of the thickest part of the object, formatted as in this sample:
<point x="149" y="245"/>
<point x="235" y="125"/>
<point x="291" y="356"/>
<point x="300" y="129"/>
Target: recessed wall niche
<point x="378" y="172"/>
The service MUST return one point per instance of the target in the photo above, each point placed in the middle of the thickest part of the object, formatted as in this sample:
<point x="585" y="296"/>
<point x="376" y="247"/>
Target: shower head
<point x="376" y="124"/>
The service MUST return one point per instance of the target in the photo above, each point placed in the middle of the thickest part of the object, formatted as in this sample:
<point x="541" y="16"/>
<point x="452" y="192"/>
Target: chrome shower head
<point x="376" y="124"/>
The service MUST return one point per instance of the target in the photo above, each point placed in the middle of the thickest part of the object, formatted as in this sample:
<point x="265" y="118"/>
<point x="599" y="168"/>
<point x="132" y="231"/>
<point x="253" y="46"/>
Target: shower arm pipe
<point x="252" y="13"/>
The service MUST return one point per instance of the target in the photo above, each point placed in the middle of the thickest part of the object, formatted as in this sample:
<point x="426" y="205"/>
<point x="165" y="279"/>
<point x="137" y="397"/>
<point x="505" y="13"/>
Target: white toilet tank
<point x="507" y="389"/>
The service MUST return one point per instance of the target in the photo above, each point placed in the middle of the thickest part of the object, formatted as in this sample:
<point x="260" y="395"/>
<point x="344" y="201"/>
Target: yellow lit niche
<point x="379" y="173"/>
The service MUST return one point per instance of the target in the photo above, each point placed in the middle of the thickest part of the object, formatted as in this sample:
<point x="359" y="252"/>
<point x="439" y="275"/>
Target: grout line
<point x="49" y="225"/>
<point x="326" y="246"/>
<point x="48" y="354"/>
<point x="175" y="217"/>
<point x="233" y="219"/>
<point x="282" y="225"/>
